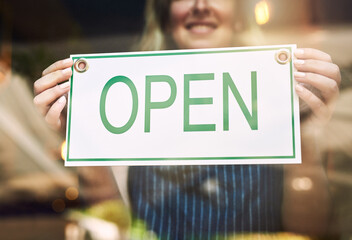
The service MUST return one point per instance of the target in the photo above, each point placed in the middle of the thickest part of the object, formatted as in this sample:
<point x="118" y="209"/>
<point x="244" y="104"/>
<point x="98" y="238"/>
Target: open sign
<point x="210" y="106"/>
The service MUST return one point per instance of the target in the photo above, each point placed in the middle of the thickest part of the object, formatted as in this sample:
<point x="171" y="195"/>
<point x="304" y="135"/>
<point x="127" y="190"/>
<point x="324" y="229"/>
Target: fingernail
<point x="67" y="61"/>
<point x="299" y="74"/>
<point x="67" y="71"/>
<point x="299" y="51"/>
<point x="62" y="99"/>
<point x="299" y="61"/>
<point x="299" y="88"/>
<point x="65" y="85"/>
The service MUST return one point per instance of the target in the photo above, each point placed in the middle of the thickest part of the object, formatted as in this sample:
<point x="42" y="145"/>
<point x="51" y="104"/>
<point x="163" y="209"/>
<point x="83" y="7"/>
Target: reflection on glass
<point x="302" y="184"/>
<point x="36" y="189"/>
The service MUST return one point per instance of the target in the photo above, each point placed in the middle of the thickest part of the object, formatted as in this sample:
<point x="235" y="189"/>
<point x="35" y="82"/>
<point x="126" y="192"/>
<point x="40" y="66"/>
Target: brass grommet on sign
<point x="81" y="65"/>
<point x="283" y="56"/>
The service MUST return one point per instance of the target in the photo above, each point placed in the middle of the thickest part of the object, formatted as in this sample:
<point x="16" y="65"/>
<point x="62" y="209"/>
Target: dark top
<point x="204" y="202"/>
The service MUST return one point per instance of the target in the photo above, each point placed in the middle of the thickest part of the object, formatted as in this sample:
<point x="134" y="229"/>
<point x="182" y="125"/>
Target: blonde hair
<point x="155" y="30"/>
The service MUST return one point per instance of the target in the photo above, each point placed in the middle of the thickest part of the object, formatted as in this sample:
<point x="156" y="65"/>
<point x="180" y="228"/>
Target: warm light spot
<point x="302" y="184"/>
<point x="73" y="231"/>
<point x="2" y="77"/>
<point x="63" y="150"/>
<point x="262" y="12"/>
<point x="58" y="205"/>
<point x="71" y="193"/>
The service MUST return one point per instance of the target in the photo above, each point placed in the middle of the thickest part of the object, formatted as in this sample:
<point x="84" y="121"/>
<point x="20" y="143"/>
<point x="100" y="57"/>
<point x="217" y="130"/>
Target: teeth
<point x="201" y="27"/>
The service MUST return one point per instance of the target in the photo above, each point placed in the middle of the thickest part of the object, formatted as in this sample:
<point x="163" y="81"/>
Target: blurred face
<point x="202" y="23"/>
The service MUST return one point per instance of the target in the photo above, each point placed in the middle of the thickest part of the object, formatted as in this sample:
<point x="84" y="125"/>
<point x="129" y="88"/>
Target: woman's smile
<point x="201" y="27"/>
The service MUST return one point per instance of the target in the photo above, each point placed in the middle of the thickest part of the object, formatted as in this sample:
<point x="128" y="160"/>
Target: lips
<point x="201" y="27"/>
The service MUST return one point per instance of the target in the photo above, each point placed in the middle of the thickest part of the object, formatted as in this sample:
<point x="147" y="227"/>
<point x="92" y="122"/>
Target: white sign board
<point x="185" y="107"/>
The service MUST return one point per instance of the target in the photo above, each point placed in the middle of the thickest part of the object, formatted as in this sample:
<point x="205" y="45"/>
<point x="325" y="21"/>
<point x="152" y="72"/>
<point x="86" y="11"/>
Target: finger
<point x="310" y="53"/>
<point x="328" y="87"/>
<point x="53" y="115"/>
<point x="326" y="69"/>
<point x="318" y="107"/>
<point x="59" y="65"/>
<point x="43" y="100"/>
<point x="52" y="79"/>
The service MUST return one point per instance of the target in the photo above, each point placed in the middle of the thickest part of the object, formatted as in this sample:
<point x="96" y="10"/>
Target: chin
<point x="196" y="44"/>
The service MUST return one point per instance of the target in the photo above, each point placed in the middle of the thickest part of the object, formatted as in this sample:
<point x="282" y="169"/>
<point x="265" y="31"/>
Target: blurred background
<point x="40" y="199"/>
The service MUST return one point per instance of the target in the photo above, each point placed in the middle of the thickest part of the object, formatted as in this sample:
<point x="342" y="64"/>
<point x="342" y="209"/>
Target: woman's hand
<point x="316" y="68"/>
<point x="50" y="91"/>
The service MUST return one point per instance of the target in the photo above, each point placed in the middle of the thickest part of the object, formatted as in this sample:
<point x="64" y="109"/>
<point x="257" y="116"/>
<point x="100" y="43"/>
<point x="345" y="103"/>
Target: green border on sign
<point x="150" y="54"/>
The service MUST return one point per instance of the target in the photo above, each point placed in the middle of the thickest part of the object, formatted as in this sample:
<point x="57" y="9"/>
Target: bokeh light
<point x="262" y="14"/>
<point x="63" y="150"/>
<point x="71" y="193"/>
<point x="58" y="205"/>
<point x="302" y="184"/>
